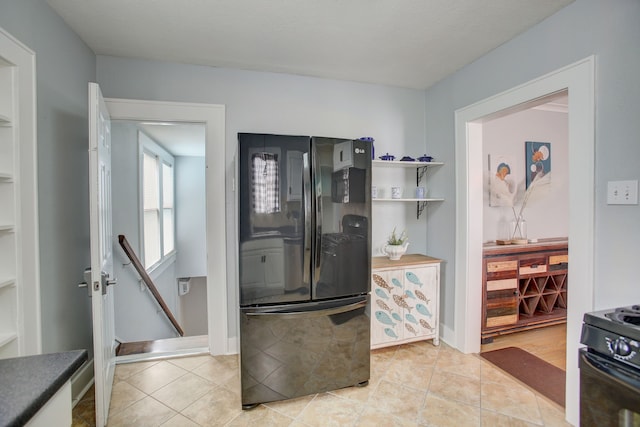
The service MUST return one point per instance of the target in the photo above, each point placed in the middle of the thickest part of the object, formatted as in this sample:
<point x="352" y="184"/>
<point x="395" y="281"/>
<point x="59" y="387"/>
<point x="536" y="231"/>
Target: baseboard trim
<point x="233" y="345"/>
<point x="448" y="335"/>
<point x="82" y="381"/>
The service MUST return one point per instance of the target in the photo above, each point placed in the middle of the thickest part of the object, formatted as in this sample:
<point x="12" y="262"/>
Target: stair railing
<point x="148" y="282"/>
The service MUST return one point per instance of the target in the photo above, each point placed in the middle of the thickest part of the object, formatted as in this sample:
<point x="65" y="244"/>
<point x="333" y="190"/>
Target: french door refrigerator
<point x="304" y="265"/>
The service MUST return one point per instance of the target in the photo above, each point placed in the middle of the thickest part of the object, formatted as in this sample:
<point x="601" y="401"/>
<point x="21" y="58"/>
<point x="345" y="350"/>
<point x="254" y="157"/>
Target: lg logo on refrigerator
<point x="359" y="150"/>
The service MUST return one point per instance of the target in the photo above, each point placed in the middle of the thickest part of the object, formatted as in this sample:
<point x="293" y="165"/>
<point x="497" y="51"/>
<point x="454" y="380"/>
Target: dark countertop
<point x="27" y="383"/>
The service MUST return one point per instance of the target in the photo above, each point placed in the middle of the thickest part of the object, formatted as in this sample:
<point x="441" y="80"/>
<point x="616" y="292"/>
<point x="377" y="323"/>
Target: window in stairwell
<point x="157" y="203"/>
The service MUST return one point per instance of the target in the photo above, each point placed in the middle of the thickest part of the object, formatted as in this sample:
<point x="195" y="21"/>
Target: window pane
<point x="167" y="186"/>
<point x="167" y="218"/>
<point x="151" y="190"/>
<point x="151" y="238"/>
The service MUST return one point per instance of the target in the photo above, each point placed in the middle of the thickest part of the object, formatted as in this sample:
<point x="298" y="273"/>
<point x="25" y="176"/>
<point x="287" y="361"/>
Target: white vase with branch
<point x="518" y="234"/>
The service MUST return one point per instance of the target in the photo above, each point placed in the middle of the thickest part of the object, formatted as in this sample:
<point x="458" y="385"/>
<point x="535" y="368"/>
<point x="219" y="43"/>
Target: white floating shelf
<point x="4" y="120"/>
<point x="407" y="200"/>
<point x="6" y="227"/>
<point x="398" y="163"/>
<point x="4" y="176"/>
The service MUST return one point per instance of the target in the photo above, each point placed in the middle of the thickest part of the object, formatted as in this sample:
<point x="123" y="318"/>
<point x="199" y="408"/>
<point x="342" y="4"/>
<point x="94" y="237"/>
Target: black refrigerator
<point x="304" y="265"/>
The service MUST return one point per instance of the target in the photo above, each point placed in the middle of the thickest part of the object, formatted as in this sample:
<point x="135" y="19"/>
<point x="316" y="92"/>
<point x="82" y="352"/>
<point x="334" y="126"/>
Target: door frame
<point x="213" y="118"/>
<point x="579" y="80"/>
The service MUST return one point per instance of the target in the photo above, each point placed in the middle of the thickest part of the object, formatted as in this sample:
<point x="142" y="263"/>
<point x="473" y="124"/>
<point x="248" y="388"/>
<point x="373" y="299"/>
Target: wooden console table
<point x="524" y="286"/>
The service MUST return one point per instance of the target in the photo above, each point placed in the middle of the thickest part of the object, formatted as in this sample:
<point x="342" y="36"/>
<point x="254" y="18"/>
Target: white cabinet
<point x="262" y="272"/>
<point x="19" y="297"/>
<point x="420" y="169"/>
<point x="404" y="300"/>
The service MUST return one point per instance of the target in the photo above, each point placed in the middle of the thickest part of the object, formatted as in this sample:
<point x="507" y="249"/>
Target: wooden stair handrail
<point x="147" y="281"/>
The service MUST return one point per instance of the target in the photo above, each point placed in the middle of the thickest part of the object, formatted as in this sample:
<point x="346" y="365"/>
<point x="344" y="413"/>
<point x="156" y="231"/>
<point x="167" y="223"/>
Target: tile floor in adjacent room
<point x="411" y="385"/>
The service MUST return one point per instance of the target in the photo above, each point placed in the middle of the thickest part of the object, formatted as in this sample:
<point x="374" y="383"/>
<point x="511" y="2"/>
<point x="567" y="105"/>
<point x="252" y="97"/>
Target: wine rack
<point x="524" y="287"/>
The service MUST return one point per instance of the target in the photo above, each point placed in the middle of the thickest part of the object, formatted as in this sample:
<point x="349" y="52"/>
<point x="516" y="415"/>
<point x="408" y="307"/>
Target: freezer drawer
<point x="297" y="350"/>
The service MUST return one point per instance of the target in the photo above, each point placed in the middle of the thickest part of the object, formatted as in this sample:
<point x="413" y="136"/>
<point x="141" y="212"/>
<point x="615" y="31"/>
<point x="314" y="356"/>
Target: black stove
<point x="610" y="368"/>
<point x="614" y="333"/>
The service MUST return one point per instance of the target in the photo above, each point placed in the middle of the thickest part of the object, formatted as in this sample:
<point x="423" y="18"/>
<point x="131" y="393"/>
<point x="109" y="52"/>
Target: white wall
<point x="193" y="308"/>
<point x="137" y="316"/>
<point x="278" y="103"/>
<point x="191" y="242"/>
<point x="64" y="66"/>
<point x="607" y="30"/>
<point x="547" y="209"/>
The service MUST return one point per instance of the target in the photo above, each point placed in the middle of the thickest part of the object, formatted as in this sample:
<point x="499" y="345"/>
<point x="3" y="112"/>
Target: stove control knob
<point x="621" y="347"/>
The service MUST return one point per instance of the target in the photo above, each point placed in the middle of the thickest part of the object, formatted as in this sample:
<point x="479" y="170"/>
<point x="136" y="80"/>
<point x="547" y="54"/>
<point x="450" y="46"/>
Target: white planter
<point x="394" y="252"/>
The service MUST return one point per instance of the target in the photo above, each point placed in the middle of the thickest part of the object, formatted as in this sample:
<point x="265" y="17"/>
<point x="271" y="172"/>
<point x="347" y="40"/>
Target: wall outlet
<point x="622" y="192"/>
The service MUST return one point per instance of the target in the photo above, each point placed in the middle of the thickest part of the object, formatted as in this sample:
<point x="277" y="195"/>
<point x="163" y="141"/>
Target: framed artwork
<point x="502" y="180"/>
<point x="537" y="160"/>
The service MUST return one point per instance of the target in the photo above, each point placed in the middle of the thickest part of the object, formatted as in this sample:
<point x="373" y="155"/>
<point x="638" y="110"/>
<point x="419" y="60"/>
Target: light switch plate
<point x="622" y="192"/>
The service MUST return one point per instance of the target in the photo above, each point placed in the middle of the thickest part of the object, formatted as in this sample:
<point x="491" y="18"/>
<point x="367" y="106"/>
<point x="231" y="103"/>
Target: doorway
<point x="578" y="80"/>
<point x="538" y="324"/>
<point x="212" y="117"/>
<point x="158" y="185"/>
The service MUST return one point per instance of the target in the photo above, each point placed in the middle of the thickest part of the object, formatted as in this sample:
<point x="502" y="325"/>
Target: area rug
<point x="541" y="376"/>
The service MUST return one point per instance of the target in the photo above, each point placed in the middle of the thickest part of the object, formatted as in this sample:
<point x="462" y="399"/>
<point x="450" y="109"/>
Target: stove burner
<point x="626" y="315"/>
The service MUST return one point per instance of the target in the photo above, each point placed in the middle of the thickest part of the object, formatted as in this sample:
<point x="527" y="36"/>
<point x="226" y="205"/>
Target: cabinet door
<point x="274" y="268"/>
<point x="420" y="297"/>
<point x="252" y="272"/>
<point x="501" y="287"/>
<point x="387" y="312"/>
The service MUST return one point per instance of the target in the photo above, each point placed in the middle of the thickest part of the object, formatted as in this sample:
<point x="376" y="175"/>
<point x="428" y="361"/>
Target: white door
<point x="101" y="251"/>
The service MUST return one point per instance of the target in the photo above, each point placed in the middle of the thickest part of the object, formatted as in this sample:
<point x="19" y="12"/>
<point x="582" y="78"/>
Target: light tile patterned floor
<point x="411" y="385"/>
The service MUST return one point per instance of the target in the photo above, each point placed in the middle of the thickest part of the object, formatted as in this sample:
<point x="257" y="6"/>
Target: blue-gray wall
<point x="401" y="120"/>
<point x="279" y="103"/>
<point x="64" y="66"/>
<point x="610" y="31"/>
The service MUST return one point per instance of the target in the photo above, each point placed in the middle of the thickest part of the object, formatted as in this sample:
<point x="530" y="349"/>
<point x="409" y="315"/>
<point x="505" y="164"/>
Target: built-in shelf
<point x="7" y="338"/>
<point x="5" y="283"/>
<point x="18" y="268"/>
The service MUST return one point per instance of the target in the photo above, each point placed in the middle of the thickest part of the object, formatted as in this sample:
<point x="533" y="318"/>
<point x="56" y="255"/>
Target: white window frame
<point x="149" y="146"/>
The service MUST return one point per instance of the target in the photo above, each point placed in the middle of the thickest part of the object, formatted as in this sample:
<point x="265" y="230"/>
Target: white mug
<point x="396" y="192"/>
<point x="420" y="193"/>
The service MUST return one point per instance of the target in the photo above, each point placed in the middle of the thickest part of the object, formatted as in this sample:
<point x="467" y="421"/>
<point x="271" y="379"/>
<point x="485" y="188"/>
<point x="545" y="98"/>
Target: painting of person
<point x="503" y="188"/>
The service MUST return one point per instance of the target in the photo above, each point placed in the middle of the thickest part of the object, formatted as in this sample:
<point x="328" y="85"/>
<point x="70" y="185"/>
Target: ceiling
<point x="178" y="138"/>
<point x="405" y="43"/>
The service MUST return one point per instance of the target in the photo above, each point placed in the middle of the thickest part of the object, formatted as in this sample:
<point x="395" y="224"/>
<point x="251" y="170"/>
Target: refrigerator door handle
<point x="288" y="313"/>
<point x="306" y="200"/>
<point x="318" y="213"/>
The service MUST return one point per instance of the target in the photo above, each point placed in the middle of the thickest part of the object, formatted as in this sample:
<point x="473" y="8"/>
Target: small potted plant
<point x="396" y="245"/>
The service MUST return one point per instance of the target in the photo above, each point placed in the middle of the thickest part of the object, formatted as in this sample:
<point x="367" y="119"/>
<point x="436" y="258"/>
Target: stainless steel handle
<point x="106" y="281"/>
<point x="317" y="182"/>
<point x="306" y="200"/>
<point x="87" y="280"/>
<point x="288" y="314"/>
